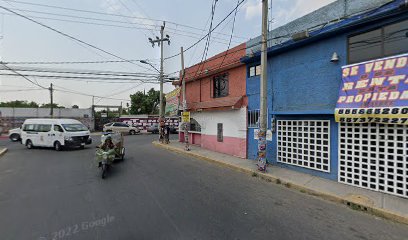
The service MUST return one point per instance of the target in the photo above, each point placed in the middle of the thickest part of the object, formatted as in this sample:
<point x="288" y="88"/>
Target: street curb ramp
<point x="353" y="203"/>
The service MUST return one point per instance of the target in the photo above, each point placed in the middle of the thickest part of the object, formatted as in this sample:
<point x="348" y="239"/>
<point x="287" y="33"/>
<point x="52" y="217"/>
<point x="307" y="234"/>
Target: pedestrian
<point x="167" y="134"/>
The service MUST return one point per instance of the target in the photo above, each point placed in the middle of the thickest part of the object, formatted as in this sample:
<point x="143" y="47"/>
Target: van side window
<point x="28" y="127"/>
<point x="58" y="128"/>
<point x="43" y="127"/>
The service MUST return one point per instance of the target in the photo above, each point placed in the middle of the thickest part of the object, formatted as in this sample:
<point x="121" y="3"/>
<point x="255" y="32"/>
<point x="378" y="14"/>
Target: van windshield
<point x="74" y="127"/>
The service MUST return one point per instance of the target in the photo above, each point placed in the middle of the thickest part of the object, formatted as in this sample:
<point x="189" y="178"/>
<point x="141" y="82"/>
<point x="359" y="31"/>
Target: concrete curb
<point x="3" y="151"/>
<point x="380" y="212"/>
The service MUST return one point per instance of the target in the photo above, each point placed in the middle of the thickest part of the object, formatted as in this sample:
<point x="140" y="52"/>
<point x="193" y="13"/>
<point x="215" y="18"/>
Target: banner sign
<point x="172" y="102"/>
<point x="374" y="91"/>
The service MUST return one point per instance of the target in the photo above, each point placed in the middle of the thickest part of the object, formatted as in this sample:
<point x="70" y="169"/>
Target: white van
<point x="56" y="133"/>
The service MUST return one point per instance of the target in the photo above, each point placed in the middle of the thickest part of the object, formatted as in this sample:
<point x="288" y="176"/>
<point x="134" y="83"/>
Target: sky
<point x="117" y="30"/>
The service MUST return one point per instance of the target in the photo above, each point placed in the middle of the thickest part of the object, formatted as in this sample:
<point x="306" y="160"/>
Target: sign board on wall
<point x="268" y="135"/>
<point x="185" y="117"/>
<point x="172" y="102"/>
<point x="374" y="91"/>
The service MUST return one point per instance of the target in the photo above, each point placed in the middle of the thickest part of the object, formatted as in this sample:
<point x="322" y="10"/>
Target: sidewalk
<point x="380" y="204"/>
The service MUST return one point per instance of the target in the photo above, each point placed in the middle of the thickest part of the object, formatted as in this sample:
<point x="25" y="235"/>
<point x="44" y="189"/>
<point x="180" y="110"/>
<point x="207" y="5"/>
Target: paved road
<point x="155" y="194"/>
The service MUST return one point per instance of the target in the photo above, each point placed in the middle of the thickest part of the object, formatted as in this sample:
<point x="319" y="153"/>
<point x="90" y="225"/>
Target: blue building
<point x="305" y="59"/>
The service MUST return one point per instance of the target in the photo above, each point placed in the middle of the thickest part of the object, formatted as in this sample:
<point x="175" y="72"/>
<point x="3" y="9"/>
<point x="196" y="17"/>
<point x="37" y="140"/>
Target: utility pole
<point x="52" y="102"/>
<point x="263" y="90"/>
<point x="160" y="42"/>
<point x="183" y="81"/>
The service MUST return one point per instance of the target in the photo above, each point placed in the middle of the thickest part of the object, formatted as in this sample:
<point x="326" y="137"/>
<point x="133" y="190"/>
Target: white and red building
<point x="215" y="96"/>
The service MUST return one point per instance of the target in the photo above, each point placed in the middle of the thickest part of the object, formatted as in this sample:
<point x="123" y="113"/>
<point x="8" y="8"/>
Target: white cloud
<point x="253" y="9"/>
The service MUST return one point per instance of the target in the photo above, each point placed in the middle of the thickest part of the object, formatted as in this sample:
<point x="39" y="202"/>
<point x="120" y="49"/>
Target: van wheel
<point x="57" y="146"/>
<point x="132" y="132"/>
<point x="14" y="137"/>
<point x="29" y="144"/>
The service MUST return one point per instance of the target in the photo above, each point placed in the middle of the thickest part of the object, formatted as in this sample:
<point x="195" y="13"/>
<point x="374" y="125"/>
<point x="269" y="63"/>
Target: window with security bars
<point x="253" y="118"/>
<point x="374" y="156"/>
<point x="304" y="143"/>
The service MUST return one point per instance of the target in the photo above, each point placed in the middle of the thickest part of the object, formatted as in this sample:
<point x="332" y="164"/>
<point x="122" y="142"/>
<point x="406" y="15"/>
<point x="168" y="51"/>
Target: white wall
<point x="14" y="117"/>
<point x="234" y="122"/>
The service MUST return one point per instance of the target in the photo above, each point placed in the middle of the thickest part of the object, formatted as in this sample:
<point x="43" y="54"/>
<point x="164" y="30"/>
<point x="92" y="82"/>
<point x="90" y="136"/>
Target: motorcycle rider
<point x="108" y="144"/>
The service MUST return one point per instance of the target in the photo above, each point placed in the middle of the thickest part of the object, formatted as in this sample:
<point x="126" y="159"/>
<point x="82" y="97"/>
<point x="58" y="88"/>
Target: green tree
<point x="48" y="105"/>
<point x="19" y="104"/>
<point x="145" y="103"/>
<point x="75" y="106"/>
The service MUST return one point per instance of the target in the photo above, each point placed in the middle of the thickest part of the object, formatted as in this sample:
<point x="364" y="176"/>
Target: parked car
<point x="154" y="128"/>
<point x="56" y="133"/>
<point x="120" y="127"/>
<point x="15" y="134"/>
<point x="173" y="129"/>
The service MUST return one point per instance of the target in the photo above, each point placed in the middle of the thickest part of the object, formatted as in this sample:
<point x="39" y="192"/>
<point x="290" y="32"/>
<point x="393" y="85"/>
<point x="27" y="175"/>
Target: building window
<point x="383" y="42"/>
<point x="255" y="71"/>
<point x="220" y="86"/>
<point x="253" y="118"/>
<point x="304" y="143"/>
<point x="219" y="132"/>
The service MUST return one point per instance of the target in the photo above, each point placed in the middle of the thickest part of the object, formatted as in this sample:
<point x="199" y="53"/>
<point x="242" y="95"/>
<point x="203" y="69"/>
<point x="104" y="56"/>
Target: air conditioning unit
<point x="300" y="35"/>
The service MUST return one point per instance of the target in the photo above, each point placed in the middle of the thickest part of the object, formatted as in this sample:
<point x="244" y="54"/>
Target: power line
<point x="21" y="75"/>
<point x="21" y="90"/>
<point x="114" y="15"/>
<point x="207" y="43"/>
<point x="188" y="48"/>
<point x="73" y="62"/>
<point x="84" y="72"/>
<point x="71" y="37"/>
<point x="83" y="78"/>
<point x="232" y="32"/>
<point x="175" y="31"/>
<point x="126" y="90"/>
<point x="90" y="95"/>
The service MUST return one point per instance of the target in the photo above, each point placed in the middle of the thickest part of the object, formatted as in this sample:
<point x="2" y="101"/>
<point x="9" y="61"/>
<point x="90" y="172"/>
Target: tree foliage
<point x="19" y="104"/>
<point x="48" y="105"/>
<point x="27" y="104"/>
<point x="145" y="103"/>
<point x="75" y="106"/>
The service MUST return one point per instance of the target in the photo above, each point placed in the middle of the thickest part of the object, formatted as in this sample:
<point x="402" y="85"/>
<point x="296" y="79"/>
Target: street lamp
<point x="146" y="62"/>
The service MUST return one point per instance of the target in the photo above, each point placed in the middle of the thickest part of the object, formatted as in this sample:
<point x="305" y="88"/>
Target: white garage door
<point x="304" y="143"/>
<point x="374" y="156"/>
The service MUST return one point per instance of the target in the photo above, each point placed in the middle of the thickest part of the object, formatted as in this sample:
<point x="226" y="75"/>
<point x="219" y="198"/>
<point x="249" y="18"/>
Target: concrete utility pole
<point x="160" y="42"/>
<point x="183" y="81"/>
<point x="52" y="102"/>
<point x="263" y="91"/>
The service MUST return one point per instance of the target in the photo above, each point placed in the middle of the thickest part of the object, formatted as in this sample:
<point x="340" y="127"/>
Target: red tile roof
<point x="232" y="102"/>
<point x="220" y="62"/>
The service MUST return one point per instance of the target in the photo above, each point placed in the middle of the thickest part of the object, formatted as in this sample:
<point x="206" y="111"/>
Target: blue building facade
<point x="303" y="86"/>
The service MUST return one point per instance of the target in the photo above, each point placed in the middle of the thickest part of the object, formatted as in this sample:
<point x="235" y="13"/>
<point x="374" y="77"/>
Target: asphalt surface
<point x="155" y="194"/>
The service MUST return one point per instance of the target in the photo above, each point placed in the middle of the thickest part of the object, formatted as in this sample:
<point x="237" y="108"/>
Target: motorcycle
<point x="105" y="158"/>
